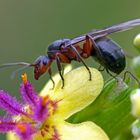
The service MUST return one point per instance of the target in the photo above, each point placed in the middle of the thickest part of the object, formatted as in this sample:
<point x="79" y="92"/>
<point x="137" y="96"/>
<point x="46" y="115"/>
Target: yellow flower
<point x="135" y="100"/>
<point x="77" y="93"/>
<point x="136" y="41"/>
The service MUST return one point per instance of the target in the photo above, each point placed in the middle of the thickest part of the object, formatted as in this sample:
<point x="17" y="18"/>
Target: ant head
<point x="41" y="65"/>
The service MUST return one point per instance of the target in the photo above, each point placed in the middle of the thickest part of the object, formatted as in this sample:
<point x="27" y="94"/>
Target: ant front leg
<point x="80" y="58"/>
<point x="61" y="58"/>
<point x="60" y="70"/>
<point x="50" y="73"/>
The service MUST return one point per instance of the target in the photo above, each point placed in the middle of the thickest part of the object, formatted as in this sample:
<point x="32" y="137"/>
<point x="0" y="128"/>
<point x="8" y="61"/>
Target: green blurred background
<point x="28" y="26"/>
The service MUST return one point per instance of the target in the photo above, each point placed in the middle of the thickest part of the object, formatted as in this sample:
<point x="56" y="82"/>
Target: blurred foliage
<point x="27" y="27"/>
<point x="136" y="128"/>
<point x="136" y="66"/>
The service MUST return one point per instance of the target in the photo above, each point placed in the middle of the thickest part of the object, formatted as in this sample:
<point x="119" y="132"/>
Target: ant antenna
<point x="14" y="64"/>
<point x="25" y="65"/>
<point x="133" y="76"/>
<point x="17" y="71"/>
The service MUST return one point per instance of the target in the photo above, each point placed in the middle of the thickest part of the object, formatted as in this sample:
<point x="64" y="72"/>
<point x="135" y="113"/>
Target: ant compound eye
<point x="46" y="60"/>
<point x="38" y="60"/>
<point x="37" y="72"/>
<point x="42" y="60"/>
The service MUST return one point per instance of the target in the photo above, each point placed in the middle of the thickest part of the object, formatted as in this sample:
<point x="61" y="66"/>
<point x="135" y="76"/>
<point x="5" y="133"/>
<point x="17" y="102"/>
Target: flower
<point x="42" y="117"/>
<point x="136" y="42"/>
<point x="135" y="65"/>
<point x="135" y="100"/>
<point x="136" y="129"/>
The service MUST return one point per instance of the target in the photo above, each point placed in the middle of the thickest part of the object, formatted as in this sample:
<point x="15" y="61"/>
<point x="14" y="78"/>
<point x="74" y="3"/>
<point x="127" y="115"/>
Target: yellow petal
<point x="67" y="131"/>
<point x="135" y="100"/>
<point x="78" y="91"/>
<point x="136" y="41"/>
<point x="11" y="136"/>
<point x="82" y="131"/>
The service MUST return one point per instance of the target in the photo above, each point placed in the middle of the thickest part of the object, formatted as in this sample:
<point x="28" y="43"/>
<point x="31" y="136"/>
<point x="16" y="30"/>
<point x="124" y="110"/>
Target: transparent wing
<point x="116" y="28"/>
<point x="14" y="64"/>
<point x="106" y="31"/>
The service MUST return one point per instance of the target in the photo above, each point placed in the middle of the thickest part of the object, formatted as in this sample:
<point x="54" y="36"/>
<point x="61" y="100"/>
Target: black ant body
<point x="95" y="43"/>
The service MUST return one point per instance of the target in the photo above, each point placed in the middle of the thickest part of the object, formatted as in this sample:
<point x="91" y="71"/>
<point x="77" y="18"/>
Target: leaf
<point x="111" y="110"/>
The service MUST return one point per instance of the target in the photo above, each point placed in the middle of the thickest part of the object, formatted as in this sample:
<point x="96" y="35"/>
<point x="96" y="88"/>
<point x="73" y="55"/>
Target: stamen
<point x="24" y="78"/>
<point x="46" y="128"/>
<point x="42" y="133"/>
<point x="54" y="105"/>
<point x="21" y="127"/>
<point x="27" y="91"/>
<point x="45" y="100"/>
<point x="55" y="135"/>
<point x="6" y="126"/>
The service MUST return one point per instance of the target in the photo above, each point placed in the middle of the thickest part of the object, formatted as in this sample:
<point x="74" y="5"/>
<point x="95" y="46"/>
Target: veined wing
<point x="106" y="31"/>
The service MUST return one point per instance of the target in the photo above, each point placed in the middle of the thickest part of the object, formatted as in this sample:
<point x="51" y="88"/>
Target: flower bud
<point x="136" y="129"/>
<point x="136" y="42"/>
<point x="135" y="100"/>
<point x="136" y="66"/>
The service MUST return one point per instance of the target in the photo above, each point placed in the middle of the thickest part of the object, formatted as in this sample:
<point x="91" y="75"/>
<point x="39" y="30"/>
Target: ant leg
<point x="50" y="74"/>
<point x="100" y="54"/>
<point x="114" y="76"/>
<point x="133" y="76"/>
<point x="101" y="68"/>
<point x="80" y="58"/>
<point x="60" y="70"/>
<point x="95" y="46"/>
<point x="119" y="81"/>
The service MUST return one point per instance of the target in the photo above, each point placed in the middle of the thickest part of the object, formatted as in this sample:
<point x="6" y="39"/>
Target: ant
<point x="95" y="43"/>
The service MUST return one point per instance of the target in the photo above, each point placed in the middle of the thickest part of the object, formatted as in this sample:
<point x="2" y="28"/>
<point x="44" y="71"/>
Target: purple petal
<point x="41" y="111"/>
<point x="28" y="93"/>
<point x="10" y="104"/>
<point x="6" y="125"/>
<point x="24" y="131"/>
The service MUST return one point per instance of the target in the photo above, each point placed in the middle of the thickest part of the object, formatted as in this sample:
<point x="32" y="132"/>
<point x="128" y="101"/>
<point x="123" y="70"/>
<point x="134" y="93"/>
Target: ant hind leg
<point x="101" y="68"/>
<point x="114" y="77"/>
<point x="60" y="70"/>
<point x="132" y="75"/>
